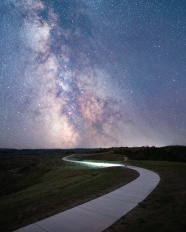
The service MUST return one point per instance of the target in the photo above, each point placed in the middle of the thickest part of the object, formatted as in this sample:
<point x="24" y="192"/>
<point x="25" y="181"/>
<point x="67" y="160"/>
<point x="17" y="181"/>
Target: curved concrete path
<point x="102" y="212"/>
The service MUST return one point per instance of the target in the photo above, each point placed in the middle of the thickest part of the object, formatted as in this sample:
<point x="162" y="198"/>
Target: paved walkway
<point x="99" y="214"/>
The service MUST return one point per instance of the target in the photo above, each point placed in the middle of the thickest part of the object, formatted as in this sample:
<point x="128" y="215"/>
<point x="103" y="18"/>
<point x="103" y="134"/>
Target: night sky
<point x="92" y="73"/>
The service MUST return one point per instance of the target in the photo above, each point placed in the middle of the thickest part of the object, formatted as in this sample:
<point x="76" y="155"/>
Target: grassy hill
<point x="35" y="184"/>
<point x="38" y="184"/>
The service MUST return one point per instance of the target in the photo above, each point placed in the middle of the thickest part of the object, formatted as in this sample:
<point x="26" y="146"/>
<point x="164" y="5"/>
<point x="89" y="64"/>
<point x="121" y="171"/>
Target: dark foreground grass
<point x="33" y="187"/>
<point x="165" y="208"/>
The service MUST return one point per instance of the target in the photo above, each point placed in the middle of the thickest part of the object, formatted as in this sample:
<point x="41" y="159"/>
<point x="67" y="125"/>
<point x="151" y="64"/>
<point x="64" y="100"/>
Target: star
<point x="92" y="73"/>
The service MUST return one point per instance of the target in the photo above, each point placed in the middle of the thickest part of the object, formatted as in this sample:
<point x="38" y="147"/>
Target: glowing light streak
<point x="94" y="164"/>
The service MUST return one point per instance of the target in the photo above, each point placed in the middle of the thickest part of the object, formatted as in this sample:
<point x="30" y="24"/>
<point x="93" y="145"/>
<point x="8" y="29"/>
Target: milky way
<point x="82" y="73"/>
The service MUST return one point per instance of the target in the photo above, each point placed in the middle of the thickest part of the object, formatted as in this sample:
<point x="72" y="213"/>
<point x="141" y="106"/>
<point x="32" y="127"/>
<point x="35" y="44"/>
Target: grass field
<point x="37" y="186"/>
<point x="165" y="208"/>
<point x="33" y="187"/>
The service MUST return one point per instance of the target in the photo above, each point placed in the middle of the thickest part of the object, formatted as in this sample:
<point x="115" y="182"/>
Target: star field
<point x="82" y="73"/>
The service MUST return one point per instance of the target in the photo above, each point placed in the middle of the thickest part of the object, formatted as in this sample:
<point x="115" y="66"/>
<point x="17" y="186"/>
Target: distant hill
<point x="4" y="151"/>
<point x="168" y="153"/>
